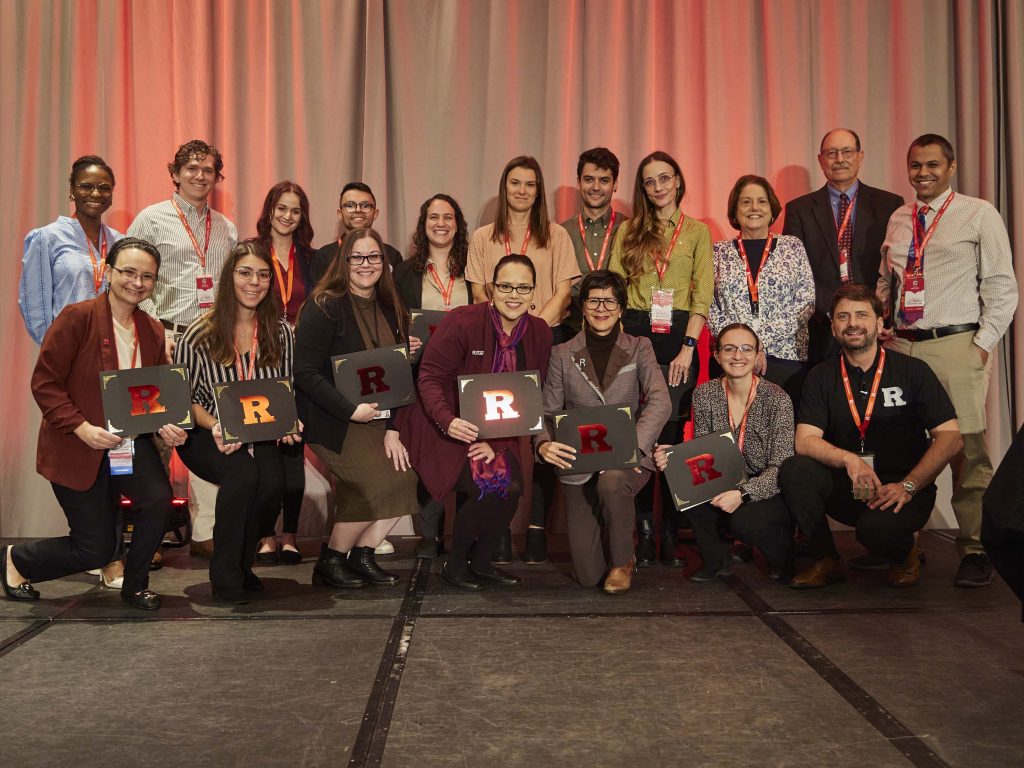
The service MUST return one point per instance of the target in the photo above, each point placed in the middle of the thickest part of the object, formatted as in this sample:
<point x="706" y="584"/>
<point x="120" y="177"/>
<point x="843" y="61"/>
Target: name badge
<point x="844" y="265"/>
<point x="121" y="457"/>
<point x="661" y="310"/>
<point x="383" y="415"/>
<point x="913" y="297"/>
<point x="204" y="291"/>
<point x="864" y="494"/>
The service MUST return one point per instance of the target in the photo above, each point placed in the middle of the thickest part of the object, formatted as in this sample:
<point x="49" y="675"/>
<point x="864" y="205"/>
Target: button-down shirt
<point x="175" y="298"/>
<point x="968" y="267"/>
<point x="595" y="230"/>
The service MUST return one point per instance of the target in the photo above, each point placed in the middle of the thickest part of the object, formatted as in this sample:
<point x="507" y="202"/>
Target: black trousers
<point x="815" y="492"/>
<point x="249" y="497"/>
<point x="293" y="460"/>
<point x="765" y="524"/>
<point x="94" y="523"/>
<point x="480" y="522"/>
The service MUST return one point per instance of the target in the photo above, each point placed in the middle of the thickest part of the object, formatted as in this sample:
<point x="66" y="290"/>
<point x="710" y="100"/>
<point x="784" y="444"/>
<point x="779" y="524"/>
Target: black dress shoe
<point x="157" y="562"/>
<point x="146" y="600"/>
<point x="361" y="560"/>
<point x="461" y="580"/>
<point x="289" y="556"/>
<point x="232" y="595"/>
<point x="331" y="570"/>
<point x="494" y="575"/>
<point x="536" y="547"/>
<point x="645" y="550"/>
<point x="428" y="547"/>
<point x="267" y="558"/>
<point x="23" y="591"/>
<point x="502" y="555"/>
<point x="252" y="583"/>
<point x="671" y="559"/>
<point x="710" y="572"/>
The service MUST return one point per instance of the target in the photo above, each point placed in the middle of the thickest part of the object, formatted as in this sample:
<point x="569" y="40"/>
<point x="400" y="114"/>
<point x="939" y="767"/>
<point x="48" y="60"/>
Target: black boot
<point x="331" y="570"/>
<point x="502" y="555"/>
<point x="360" y="559"/>
<point x="536" y="546"/>
<point x="670" y="541"/>
<point x="645" y="547"/>
<point x="428" y="547"/>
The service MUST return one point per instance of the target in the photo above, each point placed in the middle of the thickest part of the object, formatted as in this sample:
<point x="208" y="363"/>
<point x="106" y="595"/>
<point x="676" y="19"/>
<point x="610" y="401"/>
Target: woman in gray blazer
<point x="603" y="365"/>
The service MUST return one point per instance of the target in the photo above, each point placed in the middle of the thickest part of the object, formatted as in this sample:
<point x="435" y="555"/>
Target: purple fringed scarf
<point x="496" y="476"/>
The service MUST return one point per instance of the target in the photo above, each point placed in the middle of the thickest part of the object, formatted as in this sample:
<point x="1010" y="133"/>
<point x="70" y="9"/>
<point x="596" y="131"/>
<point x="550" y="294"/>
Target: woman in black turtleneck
<point x="604" y="365"/>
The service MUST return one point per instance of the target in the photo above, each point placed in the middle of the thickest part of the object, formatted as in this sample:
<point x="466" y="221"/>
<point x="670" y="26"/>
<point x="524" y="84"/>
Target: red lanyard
<point x="841" y="228"/>
<point x="862" y="426"/>
<point x="526" y="242"/>
<point x="446" y="295"/>
<point x="201" y="253"/>
<point x="751" y="282"/>
<point x="286" y="295"/>
<point x="253" y="351"/>
<point x="604" y="245"/>
<point x="746" y="411"/>
<point x="920" y="239"/>
<point x="661" y="264"/>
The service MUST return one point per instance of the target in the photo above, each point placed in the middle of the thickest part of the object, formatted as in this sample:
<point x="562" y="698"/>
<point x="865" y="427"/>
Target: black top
<point x="910" y="400"/>
<point x="755" y="253"/>
<point x="600" y="349"/>
<point x="325" y="254"/>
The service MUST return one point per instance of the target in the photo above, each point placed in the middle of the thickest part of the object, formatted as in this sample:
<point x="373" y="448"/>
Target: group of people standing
<point x="607" y="307"/>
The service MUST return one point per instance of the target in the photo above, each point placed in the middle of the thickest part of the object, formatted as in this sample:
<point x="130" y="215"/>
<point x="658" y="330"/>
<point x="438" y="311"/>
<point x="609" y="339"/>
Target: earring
<point x="533" y="307"/>
<point x="71" y="197"/>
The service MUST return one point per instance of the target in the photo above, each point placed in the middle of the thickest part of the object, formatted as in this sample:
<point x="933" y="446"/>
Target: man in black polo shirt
<point x="874" y="431"/>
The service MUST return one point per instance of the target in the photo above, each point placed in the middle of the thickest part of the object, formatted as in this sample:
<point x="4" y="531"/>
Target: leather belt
<point x="173" y="326"/>
<point x="912" y="334"/>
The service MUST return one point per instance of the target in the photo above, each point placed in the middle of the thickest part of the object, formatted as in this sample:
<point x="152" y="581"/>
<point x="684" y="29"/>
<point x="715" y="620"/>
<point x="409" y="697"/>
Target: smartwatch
<point x="746" y="498"/>
<point x="689" y="341"/>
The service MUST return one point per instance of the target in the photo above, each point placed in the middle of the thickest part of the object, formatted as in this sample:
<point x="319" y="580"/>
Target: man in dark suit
<point x="357" y="208"/>
<point x="842" y="226"/>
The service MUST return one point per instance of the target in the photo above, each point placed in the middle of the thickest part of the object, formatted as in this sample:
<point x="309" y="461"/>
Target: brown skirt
<point x="367" y="485"/>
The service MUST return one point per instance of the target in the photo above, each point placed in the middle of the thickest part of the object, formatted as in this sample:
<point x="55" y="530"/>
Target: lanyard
<point x="604" y="245"/>
<point x="286" y="294"/>
<point x="862" y="426"/>
<point x="526" y="242"/>
<point x="253" y="351"/>
<point x="751" y="282"/>
<point x="446" y="295"/>
<point x="920" y="239"/>
<point x="746" y="411"/>
<point x="201" y="253"/>
<point x="99" y="268"/>
<point x="841" y="228"/>
<point x="661" y="264"/>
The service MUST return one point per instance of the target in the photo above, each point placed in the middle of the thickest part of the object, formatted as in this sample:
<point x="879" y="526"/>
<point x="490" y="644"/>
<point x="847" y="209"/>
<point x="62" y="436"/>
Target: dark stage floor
<point x="733" y="673"/>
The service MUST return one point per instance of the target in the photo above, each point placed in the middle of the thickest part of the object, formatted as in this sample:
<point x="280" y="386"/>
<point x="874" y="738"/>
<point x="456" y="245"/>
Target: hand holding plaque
<point x="502" y="404"/>
<point x="700" y="469"/>
<point x="382" y="376"/>
<point x="603" y="437"/>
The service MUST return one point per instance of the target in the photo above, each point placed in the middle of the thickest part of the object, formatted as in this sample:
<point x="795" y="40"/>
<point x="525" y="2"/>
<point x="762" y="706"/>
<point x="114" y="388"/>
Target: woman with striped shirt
<point x="242" y="337"/>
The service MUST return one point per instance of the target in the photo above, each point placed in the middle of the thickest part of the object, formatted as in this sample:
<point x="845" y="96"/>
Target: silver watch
<point x="909" y="487"/>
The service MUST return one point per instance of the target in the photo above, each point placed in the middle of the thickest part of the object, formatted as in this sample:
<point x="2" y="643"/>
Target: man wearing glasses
<point x="842" y="226"/>
<point x="357" y="208"/>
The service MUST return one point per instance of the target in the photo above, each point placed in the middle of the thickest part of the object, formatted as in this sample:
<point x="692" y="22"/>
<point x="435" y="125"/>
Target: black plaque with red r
<point x="138" y="401"/>
<point x="604" y="437"/>
<point x="700" y="469"/>
<point x="382" y="376"/>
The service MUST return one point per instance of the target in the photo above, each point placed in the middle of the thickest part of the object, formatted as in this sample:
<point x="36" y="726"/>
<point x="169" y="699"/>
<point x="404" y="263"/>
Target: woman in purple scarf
<point x="495" y="337"/>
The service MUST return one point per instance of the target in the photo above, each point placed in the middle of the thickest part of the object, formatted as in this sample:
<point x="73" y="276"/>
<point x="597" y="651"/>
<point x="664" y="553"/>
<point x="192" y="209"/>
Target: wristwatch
<point x="745" y="497"/>
<point x="689" y="341"/>
<point x="909" y="487"/>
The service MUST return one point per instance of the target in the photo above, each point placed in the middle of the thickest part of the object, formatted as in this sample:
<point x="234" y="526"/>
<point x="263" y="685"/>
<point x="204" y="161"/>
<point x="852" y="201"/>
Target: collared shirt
<point x="691" y="268"/>
<point x="833" y="198"/>
<point x="595" y="230"/>
<point x="174" y="295"/>
<point x="56" y="271"/>
<point x="968" y="267"/>
<point x="910" y="400"/>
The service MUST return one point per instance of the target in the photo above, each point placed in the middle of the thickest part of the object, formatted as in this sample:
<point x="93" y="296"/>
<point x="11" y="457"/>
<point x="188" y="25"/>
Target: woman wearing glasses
<point x="354" y="307"/>
<point x="604" y="365"/>
<point x="497" y="337"/>
<point x="760" y="416"/>
<point x="765" y="281"/>
<point x="242" y="337"/>
<point x="666" y="259"/>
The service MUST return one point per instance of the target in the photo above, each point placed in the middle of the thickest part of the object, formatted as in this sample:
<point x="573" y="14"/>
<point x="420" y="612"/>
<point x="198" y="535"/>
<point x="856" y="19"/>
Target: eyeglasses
<point x="373" y="259"/>
<point x="87" y="189"/>
<point x="610" y="304"/>
<point x="131" y="275"/>
<point x="352" y="206"/>
<point x="522" y="290"/>
<point x="845" y="152"/>
<point x="263" y="275"/>
<point x="662" y="181"/>
<point x="732" y="349"/>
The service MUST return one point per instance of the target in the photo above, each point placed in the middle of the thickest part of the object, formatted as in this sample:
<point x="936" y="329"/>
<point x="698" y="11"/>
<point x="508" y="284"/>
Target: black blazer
<point x="325" y="254"/>
<point x="319" y="336"/>
<point x="410" y="285"/>
<point x="809" y="217"/>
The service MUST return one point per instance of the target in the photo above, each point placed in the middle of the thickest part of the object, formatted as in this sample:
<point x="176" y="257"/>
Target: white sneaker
<point x="384" y="548"/>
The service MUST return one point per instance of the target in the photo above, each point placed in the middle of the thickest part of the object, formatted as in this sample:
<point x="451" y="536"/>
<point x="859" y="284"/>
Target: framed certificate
<point x="382" y="376"/>
<point x="256" y="410"/>
<point x="502" y="404"/>
<point x="604" y="437"/>
<point x="700" y="469"/>
<point x="138" y="401"/>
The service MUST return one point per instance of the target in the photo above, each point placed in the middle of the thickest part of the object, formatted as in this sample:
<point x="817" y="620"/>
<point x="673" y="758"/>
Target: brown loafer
<point x="828" y="570"/>
<point x="201" y="549"/>
<point x="907" y="573"/>
<point x="619" y="579"/>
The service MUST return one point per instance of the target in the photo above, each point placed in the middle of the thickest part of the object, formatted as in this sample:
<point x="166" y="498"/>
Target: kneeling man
<point x="875" y="429"/>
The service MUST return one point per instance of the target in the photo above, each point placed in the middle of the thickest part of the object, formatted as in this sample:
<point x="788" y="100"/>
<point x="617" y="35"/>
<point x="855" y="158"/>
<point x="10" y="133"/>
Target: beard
<point x="854" y="345"/>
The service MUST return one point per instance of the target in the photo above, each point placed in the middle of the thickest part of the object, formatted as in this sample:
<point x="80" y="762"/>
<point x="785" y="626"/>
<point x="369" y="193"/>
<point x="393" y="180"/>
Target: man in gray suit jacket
<point x="842" y="237"/>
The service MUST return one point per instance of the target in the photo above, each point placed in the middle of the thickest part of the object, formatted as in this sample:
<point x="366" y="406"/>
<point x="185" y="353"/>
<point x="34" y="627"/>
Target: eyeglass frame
<point x="129" y="274"/>
<point x="518" y="289"/>
<point x="359" y="205"/>
<point x="373" y="259"/>
<point x="844" y="152"/>
<point x="650" y="183"/>
<point x="246" y="273"/>
<point x="610" y="304"/>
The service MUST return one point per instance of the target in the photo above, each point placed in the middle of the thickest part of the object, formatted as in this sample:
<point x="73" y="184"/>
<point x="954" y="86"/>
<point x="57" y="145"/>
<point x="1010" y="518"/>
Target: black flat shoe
<point x="232" y="595"/>
<point x="536" y="547"/>
<point x="708" y="572"/>
<point x="331" y="570"/>
<point x="267" y="558"/>
<point x="289" y="556"/>
<point x="157" y="562"/>
<point x="23" y="591"/>
<point x="252" y="583"/>
<point x="146" y="600"/>
<point x="495" y="576"/>
<point x="460" y="580"/>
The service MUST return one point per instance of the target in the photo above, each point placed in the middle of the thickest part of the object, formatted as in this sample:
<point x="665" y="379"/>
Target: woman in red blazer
<point x="495" y="337"/>
<point x="106" y="333"/>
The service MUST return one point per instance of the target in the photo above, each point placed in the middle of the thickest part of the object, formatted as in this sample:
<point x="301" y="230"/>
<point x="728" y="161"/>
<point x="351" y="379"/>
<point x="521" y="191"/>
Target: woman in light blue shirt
<point x="65" y="262"/>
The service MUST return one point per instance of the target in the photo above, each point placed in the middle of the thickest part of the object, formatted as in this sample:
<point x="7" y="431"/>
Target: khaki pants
<point x="956" y="362"/>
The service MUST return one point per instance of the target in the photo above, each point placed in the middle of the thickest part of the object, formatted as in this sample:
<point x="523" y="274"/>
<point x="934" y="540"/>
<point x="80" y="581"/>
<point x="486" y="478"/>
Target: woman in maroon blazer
<point x="106" y="333"/>
<point x="495" y="337"/>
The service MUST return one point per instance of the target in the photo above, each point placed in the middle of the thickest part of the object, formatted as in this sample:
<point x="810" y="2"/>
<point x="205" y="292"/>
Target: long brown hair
<point x="217" y="332"/>
<point x="540" y="224"/>
<point x="335" y="282"/>
<point x="303" y="235"/>
<point x="459" y="252"/>
<point x="645" y="232"/>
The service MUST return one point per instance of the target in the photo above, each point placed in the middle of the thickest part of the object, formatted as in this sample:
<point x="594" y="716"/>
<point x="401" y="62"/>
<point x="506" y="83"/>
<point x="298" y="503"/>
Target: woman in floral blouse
<point x="765" y="281"/>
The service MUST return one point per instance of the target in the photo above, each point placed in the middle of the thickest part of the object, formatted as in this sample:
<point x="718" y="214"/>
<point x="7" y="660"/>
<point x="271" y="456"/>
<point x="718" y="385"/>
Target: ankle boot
<point x="502" y="555"/>
<point x="670" y="541"/>
<point x="645" y="547"/>
<point x="536" y="546"/>
<point x="331" y="570"/>
<point x="360" y="559"/>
